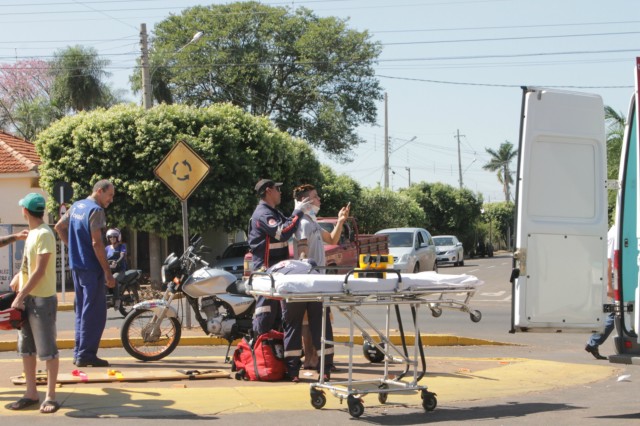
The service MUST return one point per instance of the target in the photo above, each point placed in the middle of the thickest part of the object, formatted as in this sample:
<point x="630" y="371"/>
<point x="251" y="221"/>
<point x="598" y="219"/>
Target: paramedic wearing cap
<point x="82" y="230"/>
<point x="269" y="231"/>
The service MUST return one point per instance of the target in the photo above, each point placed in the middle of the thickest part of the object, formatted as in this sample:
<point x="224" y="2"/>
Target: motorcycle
<point x="152" y="330"/>
<point x="126" y="293"/>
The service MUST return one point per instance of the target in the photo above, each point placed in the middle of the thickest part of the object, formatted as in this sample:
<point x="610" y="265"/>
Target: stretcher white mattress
<point x="423" y="282"/>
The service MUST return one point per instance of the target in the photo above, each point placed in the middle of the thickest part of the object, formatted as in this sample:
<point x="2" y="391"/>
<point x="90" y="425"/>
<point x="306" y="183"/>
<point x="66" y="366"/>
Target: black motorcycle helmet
<point x="372" y="353"/>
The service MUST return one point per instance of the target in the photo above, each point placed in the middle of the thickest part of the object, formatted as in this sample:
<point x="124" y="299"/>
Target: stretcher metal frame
<point x="348" y="303"/>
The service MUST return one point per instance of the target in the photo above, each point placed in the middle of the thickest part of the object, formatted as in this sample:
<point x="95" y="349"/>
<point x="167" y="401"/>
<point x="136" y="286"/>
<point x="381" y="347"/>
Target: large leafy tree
<point x="312" y="76"/>
<point x="448" y="210"/>
<point x="79" y="79"/>
<point x="379" y="208"/>
<point x="25" y="104"/>
<point x="336" y="191"/>
<point x="500" y="162"/>
<point x="126" y="143"/>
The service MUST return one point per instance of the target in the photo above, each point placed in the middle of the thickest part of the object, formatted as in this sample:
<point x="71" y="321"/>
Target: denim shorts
<point x="38" y="333"/>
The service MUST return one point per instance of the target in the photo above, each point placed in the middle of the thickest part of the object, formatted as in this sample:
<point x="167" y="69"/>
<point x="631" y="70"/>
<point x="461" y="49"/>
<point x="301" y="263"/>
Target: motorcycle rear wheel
<point x="138" y="341"/>
<point x="128" y="298"/>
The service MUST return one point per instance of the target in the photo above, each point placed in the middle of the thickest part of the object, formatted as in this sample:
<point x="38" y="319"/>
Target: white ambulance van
<point x="560" y="261"/>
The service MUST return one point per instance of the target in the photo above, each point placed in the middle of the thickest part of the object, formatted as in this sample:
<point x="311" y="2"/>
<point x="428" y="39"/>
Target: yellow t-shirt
<point x="40" y="241"/>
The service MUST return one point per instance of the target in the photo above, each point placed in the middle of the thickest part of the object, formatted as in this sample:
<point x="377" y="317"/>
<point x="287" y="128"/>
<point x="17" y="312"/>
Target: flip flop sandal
<point x="49" y="407"/>
<point x="22" y="403"/>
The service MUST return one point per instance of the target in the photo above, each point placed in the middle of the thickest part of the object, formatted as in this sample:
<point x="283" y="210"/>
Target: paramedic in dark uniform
<point x="269" y="231"/>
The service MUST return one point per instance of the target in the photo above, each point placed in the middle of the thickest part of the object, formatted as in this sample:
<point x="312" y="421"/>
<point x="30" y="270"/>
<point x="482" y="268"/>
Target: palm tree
<point x="615" y="122"/>
<point x="78" y="74"/>
<point x="499" y="163"/>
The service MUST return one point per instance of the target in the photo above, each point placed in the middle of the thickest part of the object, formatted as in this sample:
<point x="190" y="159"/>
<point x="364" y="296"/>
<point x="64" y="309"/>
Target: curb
<point x="428" y="340"/>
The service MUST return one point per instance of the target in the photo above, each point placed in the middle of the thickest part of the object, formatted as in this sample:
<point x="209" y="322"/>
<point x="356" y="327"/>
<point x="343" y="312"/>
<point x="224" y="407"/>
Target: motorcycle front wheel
<point x="148" y="338"/>
<point x="128" y="298"/>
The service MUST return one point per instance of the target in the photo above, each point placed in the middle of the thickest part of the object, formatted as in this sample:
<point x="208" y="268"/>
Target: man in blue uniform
<point x="269" y="231"/>
<point x="82" y="230"/>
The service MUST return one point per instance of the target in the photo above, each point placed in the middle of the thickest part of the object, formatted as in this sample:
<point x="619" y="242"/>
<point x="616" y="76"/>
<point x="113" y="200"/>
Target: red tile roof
<point x="17" y="155"/>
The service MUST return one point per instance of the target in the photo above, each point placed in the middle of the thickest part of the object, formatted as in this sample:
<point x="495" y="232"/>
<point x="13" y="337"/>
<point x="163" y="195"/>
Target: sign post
<point x="64" y="191"/>
<point x="182" y="170"/>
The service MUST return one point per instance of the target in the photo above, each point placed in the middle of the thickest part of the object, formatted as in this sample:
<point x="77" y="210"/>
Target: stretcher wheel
<point x="318" y="400"/>
<point x="382" y="396"/>
<point x="476" y="316"/>
<point x="429" y="401"/>
<point x="372" y="353"/>
<point x="356" y="408"/>
<point x="436" y="312"/>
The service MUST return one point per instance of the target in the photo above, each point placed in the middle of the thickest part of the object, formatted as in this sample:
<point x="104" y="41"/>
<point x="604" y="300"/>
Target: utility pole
<point x="459" y="159"/>
<point x="386" y="143"/>
<point x="147" y="100"/>
<point x="408" y="169"/>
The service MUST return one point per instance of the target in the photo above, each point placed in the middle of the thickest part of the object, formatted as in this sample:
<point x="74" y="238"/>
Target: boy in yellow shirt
<point x="35" y="285"/>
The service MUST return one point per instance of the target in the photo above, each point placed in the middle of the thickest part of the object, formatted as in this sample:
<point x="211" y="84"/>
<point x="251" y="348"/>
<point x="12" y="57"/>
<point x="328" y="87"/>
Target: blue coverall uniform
<point x="88" y="280"/>
<point x="269" y="231"/>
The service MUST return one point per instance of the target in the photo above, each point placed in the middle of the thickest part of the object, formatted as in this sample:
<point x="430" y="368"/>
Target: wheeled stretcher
<point x="349" y="295"/>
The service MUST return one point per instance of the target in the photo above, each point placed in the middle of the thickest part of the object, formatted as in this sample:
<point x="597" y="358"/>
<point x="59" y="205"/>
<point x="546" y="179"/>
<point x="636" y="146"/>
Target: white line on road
<point x="496" y="294"/>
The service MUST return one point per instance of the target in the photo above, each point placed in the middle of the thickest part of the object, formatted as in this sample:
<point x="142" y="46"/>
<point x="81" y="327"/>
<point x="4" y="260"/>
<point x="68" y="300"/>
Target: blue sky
<point x="446" y="66"/>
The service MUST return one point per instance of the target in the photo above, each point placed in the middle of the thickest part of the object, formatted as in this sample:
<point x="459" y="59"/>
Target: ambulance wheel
<point x="429" y="401"/>
<point x="382" y="396"/>
<point x="356" y="409"/>
<point x="318" y="400"/>
<point x="476" y="316"/>
<point x="436" y="312"/>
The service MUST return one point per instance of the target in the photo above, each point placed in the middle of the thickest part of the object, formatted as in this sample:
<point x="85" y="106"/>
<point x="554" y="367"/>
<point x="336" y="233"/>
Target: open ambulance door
<point x="559" y="276"/>
<point x="627" y="319"/>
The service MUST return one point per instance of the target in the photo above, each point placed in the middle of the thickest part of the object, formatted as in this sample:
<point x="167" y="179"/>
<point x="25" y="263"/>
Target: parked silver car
<point x="449" y="250"/>
<point x="413" y="249"/>
<point x="232" y="259"/>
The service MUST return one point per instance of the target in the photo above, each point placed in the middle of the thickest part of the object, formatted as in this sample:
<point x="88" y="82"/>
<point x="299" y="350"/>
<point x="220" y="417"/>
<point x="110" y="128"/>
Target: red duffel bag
<point x="10" y="318"/>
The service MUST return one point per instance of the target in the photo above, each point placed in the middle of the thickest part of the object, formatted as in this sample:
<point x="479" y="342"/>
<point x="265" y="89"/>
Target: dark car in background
<point x="232" y="259"/>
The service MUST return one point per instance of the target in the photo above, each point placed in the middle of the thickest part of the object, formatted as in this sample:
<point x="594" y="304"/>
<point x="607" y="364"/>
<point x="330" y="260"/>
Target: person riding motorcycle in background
<point x="116" y="251"/>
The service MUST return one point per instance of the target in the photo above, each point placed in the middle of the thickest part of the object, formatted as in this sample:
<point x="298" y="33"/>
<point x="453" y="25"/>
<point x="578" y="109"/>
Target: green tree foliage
<point x="125" y="144"/>
<point x="379" y="209"/>
<point x="448" y="210"/>
<point x="336" y="191"/>
<point x="78" y="79"/>
<point x="615" y="122"/>
<point x="312" y="76"/>
<point x="497" y="221"/>
<point x="500" y="162"/>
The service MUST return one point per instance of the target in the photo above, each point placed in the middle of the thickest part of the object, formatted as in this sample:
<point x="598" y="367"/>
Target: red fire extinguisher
<point x="248" y="265"/>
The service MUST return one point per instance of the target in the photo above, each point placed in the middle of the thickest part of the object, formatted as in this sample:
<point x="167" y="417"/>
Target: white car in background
<point x="449" y="250"/>
<point x="412" y="249"/>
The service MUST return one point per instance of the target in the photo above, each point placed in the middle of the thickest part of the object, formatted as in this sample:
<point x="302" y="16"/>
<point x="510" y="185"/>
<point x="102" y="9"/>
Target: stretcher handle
<point x="266" y="274"/>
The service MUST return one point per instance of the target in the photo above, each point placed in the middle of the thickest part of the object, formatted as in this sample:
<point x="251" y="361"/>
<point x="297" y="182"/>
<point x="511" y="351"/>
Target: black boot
<point x="593" y="350"/>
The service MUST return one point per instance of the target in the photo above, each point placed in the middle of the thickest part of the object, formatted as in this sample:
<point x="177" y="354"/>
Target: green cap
<point x="33" y="202"/>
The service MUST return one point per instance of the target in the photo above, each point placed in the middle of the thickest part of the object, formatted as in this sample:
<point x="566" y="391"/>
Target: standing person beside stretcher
<point x="269" y="231"/>
<point x="310" y="239"/>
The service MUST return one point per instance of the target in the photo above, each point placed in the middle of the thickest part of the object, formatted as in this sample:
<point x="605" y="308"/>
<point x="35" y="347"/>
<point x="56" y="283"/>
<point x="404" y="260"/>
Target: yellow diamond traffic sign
<point x="182" y="170"/>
